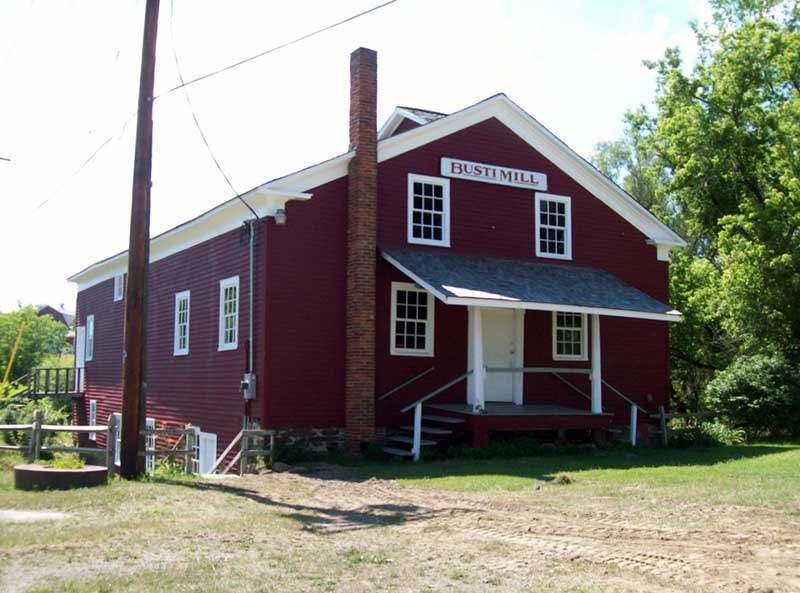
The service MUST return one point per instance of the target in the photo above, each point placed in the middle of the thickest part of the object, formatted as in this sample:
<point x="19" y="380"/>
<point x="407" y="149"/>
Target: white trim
<point x="445" y="183"/>
<point x="92" y="418"/>
<point x="395" y="119"/>
<point x="584" y="355"/>
<point x="176" y="349"/>
<point x="597" y="368"/>
<point x="519" y="356"/>
<point x="429" y="322"/>
<point x="223" y="284"/>
<point x="89" y="338"/>
<point x="567" y="228"/>
<point x="119" y="287"/>
<point x="217" y="221"/>
<point x="529" y="305"/>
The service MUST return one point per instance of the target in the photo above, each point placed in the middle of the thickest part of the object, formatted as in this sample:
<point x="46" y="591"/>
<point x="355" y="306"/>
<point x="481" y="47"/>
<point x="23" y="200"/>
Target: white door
<point x="208" y="452"/>
<point x="498" y="352"/>
<point x="80" y="354"/>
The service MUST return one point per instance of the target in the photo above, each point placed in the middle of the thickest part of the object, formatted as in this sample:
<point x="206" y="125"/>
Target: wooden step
<point x="401" y="438"/>
<point x="429" y="429"/>
<point x="443" y="419"/>
<point x="400" y="452"/>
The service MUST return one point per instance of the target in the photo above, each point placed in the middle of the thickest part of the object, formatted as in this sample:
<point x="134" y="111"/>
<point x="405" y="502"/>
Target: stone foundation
<point x="316" y="439"/>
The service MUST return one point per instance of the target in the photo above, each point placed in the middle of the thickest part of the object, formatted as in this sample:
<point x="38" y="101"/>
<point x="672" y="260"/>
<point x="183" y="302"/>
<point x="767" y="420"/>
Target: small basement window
<point x="229" y="313"/>
<point x="92" y="418"/>
<point x="569" y="336"/>
<point x="428" y="210"/>
<point x="412" y="320"/>
<point x="553" y="226"/>
<point x="181" y="339"/>
<point x="119" y="287"/>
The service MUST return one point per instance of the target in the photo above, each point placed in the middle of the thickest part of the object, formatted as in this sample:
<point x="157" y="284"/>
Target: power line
<point x="274" y="49"/>
<point x="194" y="115"/>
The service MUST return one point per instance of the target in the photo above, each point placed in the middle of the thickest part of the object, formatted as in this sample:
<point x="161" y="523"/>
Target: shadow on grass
<point x="545" y="467"/>
<point x="327" y="519"/>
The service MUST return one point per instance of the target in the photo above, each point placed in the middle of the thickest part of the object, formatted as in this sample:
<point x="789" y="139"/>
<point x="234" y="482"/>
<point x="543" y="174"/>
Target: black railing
<point x="55" y="381"/>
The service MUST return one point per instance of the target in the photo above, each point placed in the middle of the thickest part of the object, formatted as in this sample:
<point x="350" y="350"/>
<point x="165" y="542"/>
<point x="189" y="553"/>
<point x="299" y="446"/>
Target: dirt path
<point x="740" y="550"/>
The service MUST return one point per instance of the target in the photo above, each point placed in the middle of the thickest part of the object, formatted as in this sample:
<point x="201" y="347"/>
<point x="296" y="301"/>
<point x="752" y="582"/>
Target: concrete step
<point x="429" y="430"/>
<point x="400" y="452"/>
<point x="401" y="438"/>
<point x="442" y="419"/>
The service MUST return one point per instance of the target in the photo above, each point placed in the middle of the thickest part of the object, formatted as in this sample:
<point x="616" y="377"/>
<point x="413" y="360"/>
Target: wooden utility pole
<point x="133" y="352"/>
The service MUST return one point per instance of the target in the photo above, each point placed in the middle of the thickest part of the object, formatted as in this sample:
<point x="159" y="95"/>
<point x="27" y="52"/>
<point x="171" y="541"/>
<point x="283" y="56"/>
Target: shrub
<point x="705" y="434"/>
<point x="21" y="412"/>
<point x="760" y="394"/>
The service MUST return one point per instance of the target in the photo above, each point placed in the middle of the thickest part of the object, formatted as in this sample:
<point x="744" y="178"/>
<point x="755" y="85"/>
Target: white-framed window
<point x="118" y="438"/>
<point x="229" y="313"/>
<point x="89" y="337"/>
<point x="119" y="287"/>
<point x="428" y="210"/>
<point x="92" y="418"/>
<point x="181" y="337"/>
<point x="553" y="226"/>
<point x="195" y="459"/>
<point x="150" y="443"/>
<point x="412" y="320"/>
<point x="569" y="336"/>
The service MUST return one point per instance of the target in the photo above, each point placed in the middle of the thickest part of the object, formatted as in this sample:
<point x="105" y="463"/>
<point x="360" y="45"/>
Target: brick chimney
<point x="361" y="250"/>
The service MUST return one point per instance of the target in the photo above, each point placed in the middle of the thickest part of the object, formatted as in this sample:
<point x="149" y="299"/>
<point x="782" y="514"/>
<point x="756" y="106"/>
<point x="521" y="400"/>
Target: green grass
<point x="758" y="475"/>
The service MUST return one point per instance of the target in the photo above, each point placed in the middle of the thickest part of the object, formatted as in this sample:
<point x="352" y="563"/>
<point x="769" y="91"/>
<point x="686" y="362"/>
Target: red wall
<point x="201" y="388"/>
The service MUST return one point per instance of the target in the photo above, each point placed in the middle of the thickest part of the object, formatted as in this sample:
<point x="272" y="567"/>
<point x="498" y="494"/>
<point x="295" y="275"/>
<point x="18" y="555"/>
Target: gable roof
<point x="433" y="126"/>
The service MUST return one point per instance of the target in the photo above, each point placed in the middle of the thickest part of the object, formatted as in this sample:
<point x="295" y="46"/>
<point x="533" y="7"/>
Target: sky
<point x="70" y="70"/>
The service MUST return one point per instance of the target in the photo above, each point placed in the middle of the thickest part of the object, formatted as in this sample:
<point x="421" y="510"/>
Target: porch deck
<point x="512" y="409"/>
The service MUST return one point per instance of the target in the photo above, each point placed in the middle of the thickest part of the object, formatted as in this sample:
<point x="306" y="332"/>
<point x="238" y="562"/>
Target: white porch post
<point x="597" y="376"/>
<point x="478" y="401"/>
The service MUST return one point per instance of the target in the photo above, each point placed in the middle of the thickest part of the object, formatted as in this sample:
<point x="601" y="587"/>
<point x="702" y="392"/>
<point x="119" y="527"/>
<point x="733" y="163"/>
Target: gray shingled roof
<point x="428" y="116"/>
<point x="454" y="278"/>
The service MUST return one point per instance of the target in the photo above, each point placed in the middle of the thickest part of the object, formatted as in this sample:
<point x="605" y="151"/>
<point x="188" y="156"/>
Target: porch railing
<point x="417" y="406"/>
<point x="46" y="382"/>
<point x="406" y="383"/>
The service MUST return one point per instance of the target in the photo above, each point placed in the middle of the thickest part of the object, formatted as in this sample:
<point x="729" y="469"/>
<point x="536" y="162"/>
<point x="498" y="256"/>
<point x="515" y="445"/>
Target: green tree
<point x="42" y="335"/>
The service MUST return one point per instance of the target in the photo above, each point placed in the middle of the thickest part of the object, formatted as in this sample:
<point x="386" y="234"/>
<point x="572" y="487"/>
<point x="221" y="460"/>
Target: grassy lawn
<point x="766" y="475"/>
<point x="460" y="525"/>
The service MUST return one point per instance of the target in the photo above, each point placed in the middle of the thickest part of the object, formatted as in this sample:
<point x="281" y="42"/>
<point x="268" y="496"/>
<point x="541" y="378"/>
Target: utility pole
<point x="133" y="351"/>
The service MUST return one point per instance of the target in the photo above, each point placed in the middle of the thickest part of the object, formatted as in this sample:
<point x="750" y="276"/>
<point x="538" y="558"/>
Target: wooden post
<point x="111" y="444"/>
<point x="133" y="357"/>
<point x="662" y="416"/>
<point x="634" y="422"/>
<point x="271" y="449"/>
<point x="479" y="373"/>
<point x="597" y="374"/>
<point x="190" y="436"/>
<point x="37" y="434"/>
<point x="415" y="449"/>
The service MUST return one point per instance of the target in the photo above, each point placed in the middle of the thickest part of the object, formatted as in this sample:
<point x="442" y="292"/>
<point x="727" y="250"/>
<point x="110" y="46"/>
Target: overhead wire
<point x="206" y="76"/>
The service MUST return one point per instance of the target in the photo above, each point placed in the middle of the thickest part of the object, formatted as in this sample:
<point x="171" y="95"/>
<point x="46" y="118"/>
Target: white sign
<point x="493" y="174"/>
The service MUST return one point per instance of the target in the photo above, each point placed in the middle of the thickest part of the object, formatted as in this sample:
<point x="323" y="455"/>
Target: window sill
<point x="428" y="242"/>
<point x="554" y="256"/>
<point x="226" y="348"/>
<point x="572" y="358"/>
<point x="411" y="353"/>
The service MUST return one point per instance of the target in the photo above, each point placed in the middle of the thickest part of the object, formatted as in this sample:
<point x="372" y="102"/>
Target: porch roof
<point x="485" y="282"/>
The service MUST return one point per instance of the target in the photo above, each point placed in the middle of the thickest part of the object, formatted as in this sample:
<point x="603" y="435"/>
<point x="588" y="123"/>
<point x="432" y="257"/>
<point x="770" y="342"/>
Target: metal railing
<point x="406" y="383"/>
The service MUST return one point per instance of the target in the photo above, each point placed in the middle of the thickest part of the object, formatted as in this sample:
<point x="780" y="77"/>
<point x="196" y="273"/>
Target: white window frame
<point x="223" y="284"/>
<point x="584" y="338"/>
<point x="117" y="438"/>
<point x="119" y="287"/>
<point x="445" y="183"/>
<point x="89" y="338"/>
<point x="92" y="418"/>
<point x="429" y="322"/>
<point x="177" y="350"/>
<point x="567" y="201"/>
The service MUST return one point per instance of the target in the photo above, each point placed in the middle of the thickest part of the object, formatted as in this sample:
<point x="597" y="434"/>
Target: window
<point x="118" y="438"/>
<point x="228" y="313"/>
<point x="428" y="210"/>
<point x="412" y="320"/>
<point x="553" y="226"/>
<point x="150" y="443"/>
<point x="195" y="459"/>
<point x="181" y="341"/>
<point x="90" y="337"/>
<point x="119" y="287"/>
<point x="92" y="418"/>
<point x="569" y="336"/>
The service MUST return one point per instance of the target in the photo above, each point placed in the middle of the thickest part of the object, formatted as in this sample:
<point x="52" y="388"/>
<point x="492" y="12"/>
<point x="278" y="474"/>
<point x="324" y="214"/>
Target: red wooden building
<point x="450" y="273"/>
